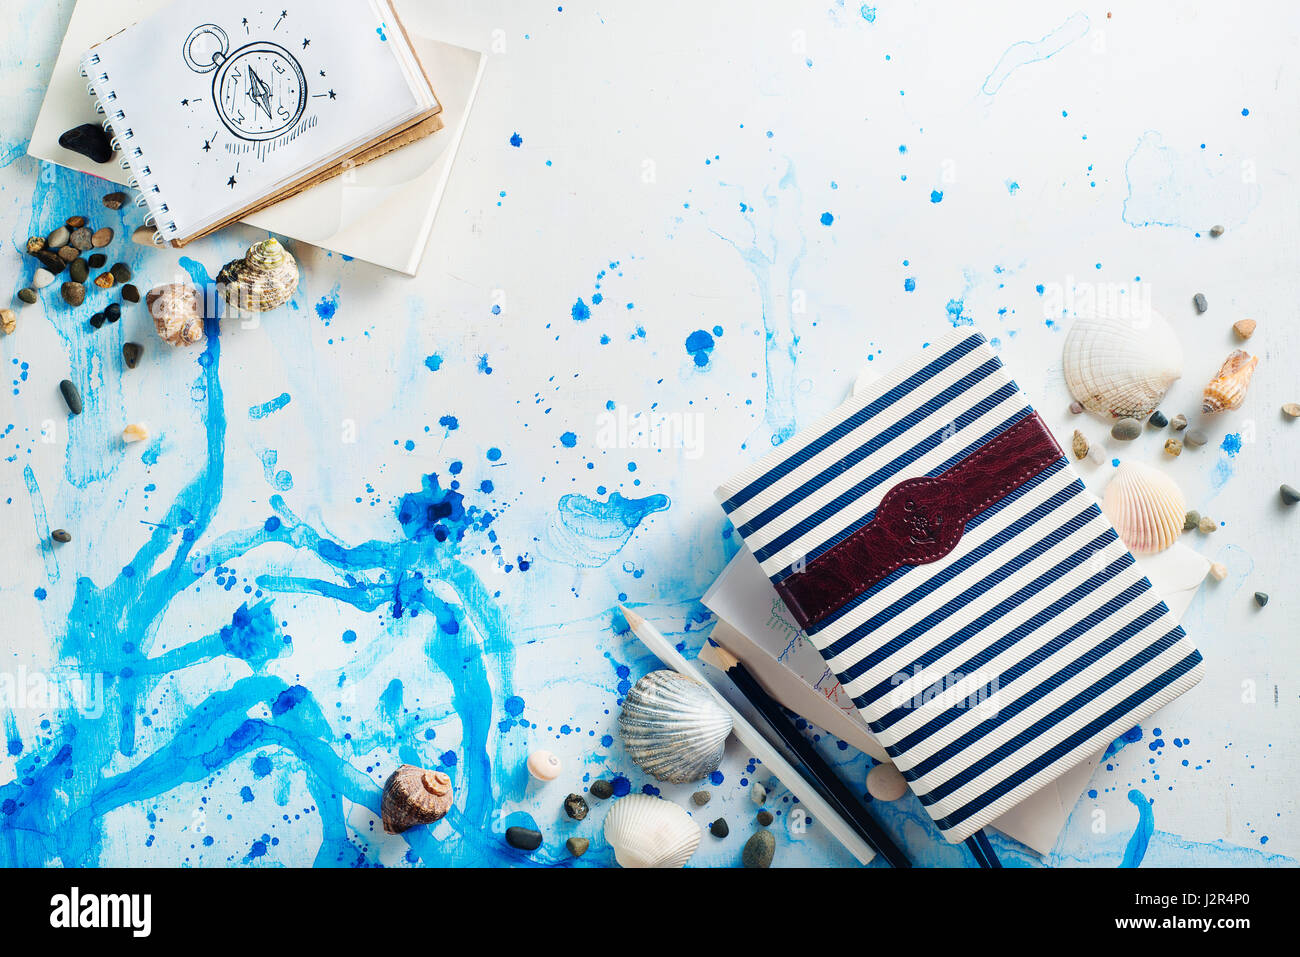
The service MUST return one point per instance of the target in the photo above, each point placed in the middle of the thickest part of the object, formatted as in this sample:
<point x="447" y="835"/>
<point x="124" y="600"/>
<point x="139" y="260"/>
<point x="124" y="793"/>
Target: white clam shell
<point x="1146" y="507"/>
<point x="1121" y="367"/>
<point x="543" y="765"/>
<point x="647" y="831"/>
<point x="672" y="727"/>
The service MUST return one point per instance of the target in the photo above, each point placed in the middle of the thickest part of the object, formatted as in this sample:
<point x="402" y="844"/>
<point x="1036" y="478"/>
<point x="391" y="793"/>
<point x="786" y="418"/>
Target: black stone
<point x="1261" y="599"/>
<point x="71" y="396"/>
<point x="130" y="293"/>
<point x="719" y="828"/>
<point x="131" y="352"/>
<point x="575" y="807"/>
<point x="97" y="320"/>
<point x="602" y="789"/>
<point x="524" y="838"/>
<point x="114" y="311"/>
<point x="51" y="261"/>
<point x="90" y="140"/>
<point x="1158" y="419"/>
<point x="96" y="260"/>
<point x="121" y="272"/>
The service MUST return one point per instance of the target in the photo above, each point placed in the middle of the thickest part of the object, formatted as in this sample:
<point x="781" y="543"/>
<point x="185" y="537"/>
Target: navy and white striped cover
<point x="994" y="670"/>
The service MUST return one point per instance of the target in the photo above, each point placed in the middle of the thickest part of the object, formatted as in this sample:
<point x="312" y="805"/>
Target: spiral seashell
<point x="1227" y="390"/>
<point x="673" y="728"/>
<point x="1121" y="367"/>
<point x="265" y="278"/>
<point x="414" y="796"/>
<point x="177" y="310"/>
<point x="647" y="831"/>
<point x="1146" y="507"/>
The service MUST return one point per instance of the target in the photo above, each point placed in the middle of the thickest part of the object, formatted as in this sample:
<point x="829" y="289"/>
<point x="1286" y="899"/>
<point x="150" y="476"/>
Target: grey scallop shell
<point x="672" y="727"/>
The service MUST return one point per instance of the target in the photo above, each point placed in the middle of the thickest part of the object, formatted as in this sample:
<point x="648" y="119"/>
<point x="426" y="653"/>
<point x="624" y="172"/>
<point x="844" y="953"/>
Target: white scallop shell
<point x="1145" y="506"/>
<point x="1121" y="367"/>
<point x="673" y="728"/>
<point x="647" y="831"/>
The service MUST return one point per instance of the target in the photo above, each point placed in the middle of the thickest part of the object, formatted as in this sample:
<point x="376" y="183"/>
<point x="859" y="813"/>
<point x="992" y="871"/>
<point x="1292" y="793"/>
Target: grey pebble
<point x="81" y="238"/>
<point x="121" y="272"/>
<point x="1126" y="430"/>
<point x="1158" y="419"/>
<point x="1178" y="422"/>
<point x="61" y="535"/>
<point x="1199" y="302"/>
<point x="1261" y="598"/>
<point x="1289" y="495"/>
<point x="759" y="850"/>
<point x="600" y="788"/>
<point x="577" y="846"/>
<point x="78" y="271"/>
<point x="1195" y="439"/>
<point x="1216" y="231"/>
<point x="1076" y="408"/>
<point x="764" y="817"/>
<point x="575" y="807"/>
<point x="73" y="293"/>
<point x="701" y="798"/>
<point x="719" y="828"/>
<point x="1191" y="520"/>
<point x="27" y="295"/>
<point x="71" y="396"/>
<point x="524" y="838"/>
<point x="57" y="238"/>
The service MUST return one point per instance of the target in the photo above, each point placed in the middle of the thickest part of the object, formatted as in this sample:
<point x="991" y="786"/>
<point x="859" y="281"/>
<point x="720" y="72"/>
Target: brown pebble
<point x="1076" y="408"/>
<point x="1215" y="231"/>
<point x="1079" y="444"/>
<point x="61" y="535"/>
<point x="75" y="222"/>
<point x="1178" y="422"/>
<point x="764" y="817"/>
<point x="1208" y="525"/>
<point x="101" y="237"/>
<point x="1244" y="328"/>
<point x="69" y="253"/>
<point x="143" y="235"/>
<point x="1173" y="447"/>
<point x="115" y="200"/>
<point x="73" y="293"/>
<point x="35" y="244"/>
<point x="8" y="321"/>
<point x="130" y="293"/>
<point x="131" y="352"/>
<point x="105" y="280"/>
<point x="1291" y="410"/>
<point x="27" y="295"/>
<point x="1191" y="520"/>
<point x="51" y="261"/>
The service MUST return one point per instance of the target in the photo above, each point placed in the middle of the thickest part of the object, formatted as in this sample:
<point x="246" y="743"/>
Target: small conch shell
<point x="414" y="796"/>
<point x="1121" y="367"/>
<point x="1227" y="390"/>
<point x="647" y="831"/>
<point x="177" y="310"/>
<point x="1146" y="507"/>
<point x="673" y="728"/>
<point x="266" y="277"/>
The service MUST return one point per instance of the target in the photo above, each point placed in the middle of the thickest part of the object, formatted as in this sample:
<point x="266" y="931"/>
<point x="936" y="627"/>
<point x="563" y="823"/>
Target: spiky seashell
<point x="414" y="796"/>
<point x="673" y="728"/>
<point x="1227" y="390"/>
<point x="265" y="278"/>
<point x="177" y="310"/>
<point x="1146" y="507"/>
<point x="647" y="831"/>
<point x="1121" y="367"/>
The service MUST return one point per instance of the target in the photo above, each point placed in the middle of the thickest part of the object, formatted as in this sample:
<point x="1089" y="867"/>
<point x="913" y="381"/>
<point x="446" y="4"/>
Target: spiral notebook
<point x="944" y="557"/>
<point x="217" y="114"/>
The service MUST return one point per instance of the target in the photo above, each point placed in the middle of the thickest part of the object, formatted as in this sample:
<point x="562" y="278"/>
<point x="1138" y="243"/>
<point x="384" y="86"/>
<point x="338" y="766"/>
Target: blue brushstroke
<point x="1137" y="844"/>
<point x="1034" y="51"/>
<point x="45" y="544"/>
<point x="589" y="532"/>
<point x="271" y="405"/>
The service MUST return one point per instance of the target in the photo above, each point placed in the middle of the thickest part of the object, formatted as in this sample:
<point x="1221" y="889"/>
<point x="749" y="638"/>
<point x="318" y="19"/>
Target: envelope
<point x="381" y="212"/>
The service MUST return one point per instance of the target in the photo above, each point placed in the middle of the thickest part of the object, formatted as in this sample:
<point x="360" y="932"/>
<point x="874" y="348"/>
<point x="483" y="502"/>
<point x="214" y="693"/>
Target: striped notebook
<point x="948" y="563"/>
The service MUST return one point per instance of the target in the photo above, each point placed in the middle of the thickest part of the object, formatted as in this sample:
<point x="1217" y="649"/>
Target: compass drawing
<point x="259" y="90"/>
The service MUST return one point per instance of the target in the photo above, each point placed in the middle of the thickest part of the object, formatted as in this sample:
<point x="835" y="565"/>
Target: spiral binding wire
<point x="116" y="143"/>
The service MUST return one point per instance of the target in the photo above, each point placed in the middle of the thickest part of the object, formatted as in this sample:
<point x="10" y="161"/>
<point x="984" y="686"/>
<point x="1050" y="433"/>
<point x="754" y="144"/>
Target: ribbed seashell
<point x="647" y="831"/>
<point x="673" y="728"/>
<point x="1146" y="507"/>
<point x="177" y="310"/>
<point x="1227" y="390"/>
<point x="265" y="278"/>
<point x="1121" y="367"/>
<point x="414" y="796"/>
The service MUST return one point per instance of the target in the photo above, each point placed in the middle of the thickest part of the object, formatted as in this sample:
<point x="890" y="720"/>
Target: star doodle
<point x="231" y="182"/>
<point x="305" y="43"/>
<point x="331" y="94"/>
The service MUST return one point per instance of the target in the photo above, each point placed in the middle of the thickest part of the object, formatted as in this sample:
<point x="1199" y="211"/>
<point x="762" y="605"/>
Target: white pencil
<point x="758" y="745"/>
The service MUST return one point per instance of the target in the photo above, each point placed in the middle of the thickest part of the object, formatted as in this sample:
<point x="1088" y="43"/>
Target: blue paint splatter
<point x="433" y="363"/>
<point x="936" y="196"/>
<point x="1231" y="443"/>
<point x="516" y="139"/>
<point x="271" y="405"/>
<point x="580" y="312"/>
<point x="867" y="13"/>
<point x="590" y="532"/>
<point x="827" y="219"/>
<point x="957" y="314"/>
<point x="909" y="284"/>
<point x="569" y="440"/>
<point x="1026" y="52"/>
<point x="700" y="346"/>
<point x="1137" y="844"/>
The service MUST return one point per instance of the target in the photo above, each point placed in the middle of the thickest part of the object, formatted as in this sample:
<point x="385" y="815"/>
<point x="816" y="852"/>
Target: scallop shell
<point x="647" y="831"/>
<point x="265" y="278"/>
<point x="673" y="728"/>
<point x="1121" y="367"/>
<point x="1145" y="506"/>
<point x="177" y="310"/>
<point x="1227" y="390"/>
<point x="414" y="796"/>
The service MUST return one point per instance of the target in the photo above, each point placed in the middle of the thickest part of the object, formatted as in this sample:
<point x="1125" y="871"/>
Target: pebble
<point x="90" y="140"/>
<point x="1076" y="408"/>
<point x="764" y="817"/>
<point x="78" y="270"/>
<point x="1291" y="410"/>
<point x="602" y="789"/>
<point x="577" y="846"/>
<point x="1261" y="598"/>
<point x="758" y="793"/>
<point x="1079" y="444"/>
<point x="143" y="235"/>
<point x="1173" y="447"/>
<point x="719" y="828"/>
<point x="1200" y="302"/>
<point x="73" y="293"/>
<point x="1191" y="520"/>
<point x="101" y="238"/>
<point x="1195" y="439"/>
<point x="35" y="244"/>
<point x="1095" y="455"/>
<point x="121" y="272"/>
<point x="27" y="295"/>
<point x="1158" y="419"/>
<point x="1207" y="525"/>
<point x="135" y="432"/>
<point x="42" y="278"/>
<point x="57" y="238"/>
<point x="75" y="222"/>
<point x="8" y="321"/>
<point x="1219" y="571"/>
<point x="1216" y="231"/>
<point x="51" y="261"/>
<point x="1178" y="422"/>
<point x="71" y="396"/>
<point x="543" y="765"/>
<point x="575" y="807"/>
<point x="759" y="850"/>
<point x="97" y="320"/>
<point x="105" y="280"/>
<point x="1126" y="430"/>
<point x="886" y="783"/>
<point x="96" y="260"/>
<point x="115" y="200"/>
<point x="130" y="293"/>
<point x="80" y="238"/>
<point x="701" y="798"/>
<point x="61" y="535"/>
<point x="1244" y="328"/>
<point x="524" y="838"/>
<point x="113" y="312"/>
<point x="1289" y="495"/>
<point x="131" y="353"/>
<point x="68" y="253"/>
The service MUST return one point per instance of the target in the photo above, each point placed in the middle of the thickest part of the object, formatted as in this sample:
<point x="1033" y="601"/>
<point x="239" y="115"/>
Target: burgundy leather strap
<point x="919" y="520"/>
